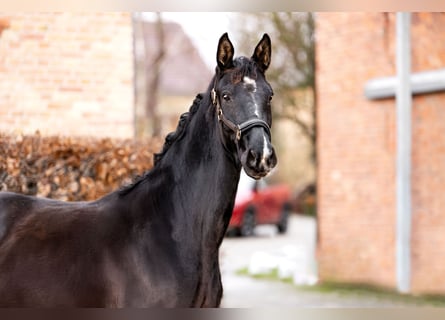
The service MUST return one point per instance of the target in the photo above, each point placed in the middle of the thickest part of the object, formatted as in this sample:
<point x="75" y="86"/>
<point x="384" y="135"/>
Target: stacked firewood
<point x="71" y="169"/>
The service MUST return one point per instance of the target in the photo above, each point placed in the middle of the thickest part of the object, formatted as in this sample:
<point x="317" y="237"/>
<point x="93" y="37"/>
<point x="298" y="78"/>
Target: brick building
<point x="357" y="149"/>
<point x="177" y="88"/>
<point x="67" y="73"/>
<point x="78" y="74"/>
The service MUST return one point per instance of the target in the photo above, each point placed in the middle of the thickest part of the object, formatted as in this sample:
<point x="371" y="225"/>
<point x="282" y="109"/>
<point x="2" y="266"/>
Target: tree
<point x="150" y="51"/>
<point x="153" y="71"/>
<point x="293" y="67"/>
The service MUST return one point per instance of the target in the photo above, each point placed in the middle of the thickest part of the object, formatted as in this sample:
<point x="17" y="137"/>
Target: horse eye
<point x="226" y="97"/>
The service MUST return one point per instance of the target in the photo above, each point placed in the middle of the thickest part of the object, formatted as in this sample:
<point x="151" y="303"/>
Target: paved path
<point x="245" y="291"/>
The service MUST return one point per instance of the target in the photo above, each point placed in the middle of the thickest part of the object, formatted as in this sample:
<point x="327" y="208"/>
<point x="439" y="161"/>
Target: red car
<point x="257" y="203"/>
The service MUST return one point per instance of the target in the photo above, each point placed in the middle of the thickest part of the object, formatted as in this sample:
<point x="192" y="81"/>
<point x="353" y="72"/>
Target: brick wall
<point x="356" y="149"/>
<point x="67" y="73"/>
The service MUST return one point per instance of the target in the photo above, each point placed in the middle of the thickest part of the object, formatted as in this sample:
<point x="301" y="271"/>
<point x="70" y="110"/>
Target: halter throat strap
<point x="238" y="129"/>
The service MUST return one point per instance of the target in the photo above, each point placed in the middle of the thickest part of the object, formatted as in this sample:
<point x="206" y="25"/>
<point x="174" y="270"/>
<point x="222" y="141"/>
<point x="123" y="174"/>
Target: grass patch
<point x="375" y="292"/>
<point x="273" y="275"/>
<point x="355" y="290"/>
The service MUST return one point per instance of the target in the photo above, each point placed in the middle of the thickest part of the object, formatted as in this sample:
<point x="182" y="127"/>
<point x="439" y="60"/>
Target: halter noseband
<point x="237" y="128"/>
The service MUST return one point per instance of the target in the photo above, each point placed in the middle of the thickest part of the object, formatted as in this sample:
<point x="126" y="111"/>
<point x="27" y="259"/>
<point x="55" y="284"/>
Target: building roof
<point x="183" y="71"/>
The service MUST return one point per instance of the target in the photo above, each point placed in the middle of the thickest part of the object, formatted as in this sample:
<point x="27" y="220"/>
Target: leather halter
<point x="238" y="129"/>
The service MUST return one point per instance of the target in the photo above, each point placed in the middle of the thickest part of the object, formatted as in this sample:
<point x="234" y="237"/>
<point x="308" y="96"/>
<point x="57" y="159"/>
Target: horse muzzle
<point x="257" y="154"/>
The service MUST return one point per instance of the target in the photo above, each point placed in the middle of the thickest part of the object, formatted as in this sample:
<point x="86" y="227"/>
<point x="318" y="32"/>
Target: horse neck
<point x="194" y="185"/>
<point x="209" y="178"/>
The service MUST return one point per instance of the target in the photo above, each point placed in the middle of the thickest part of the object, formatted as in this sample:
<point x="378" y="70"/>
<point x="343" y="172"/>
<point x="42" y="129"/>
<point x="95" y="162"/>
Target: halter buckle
<point x="238" y="133"/>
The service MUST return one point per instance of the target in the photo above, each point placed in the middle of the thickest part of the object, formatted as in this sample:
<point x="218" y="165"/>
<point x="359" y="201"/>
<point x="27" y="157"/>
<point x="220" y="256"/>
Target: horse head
<point x="242" y="97"/>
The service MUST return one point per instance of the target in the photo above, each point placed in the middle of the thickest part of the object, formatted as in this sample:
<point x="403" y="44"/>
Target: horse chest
<point x="141" y="279"/>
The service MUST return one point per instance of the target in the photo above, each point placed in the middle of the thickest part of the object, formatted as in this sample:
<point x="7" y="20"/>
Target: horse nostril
<point x="271" y="160"/>
<point x="252" y="157"/>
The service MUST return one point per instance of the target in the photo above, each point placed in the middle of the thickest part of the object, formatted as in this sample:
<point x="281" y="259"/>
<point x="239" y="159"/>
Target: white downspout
<point x="403" y="161"/>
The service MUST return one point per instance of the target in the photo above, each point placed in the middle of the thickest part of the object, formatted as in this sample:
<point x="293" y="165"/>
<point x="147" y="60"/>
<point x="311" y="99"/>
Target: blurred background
<point x="86" y="98"/>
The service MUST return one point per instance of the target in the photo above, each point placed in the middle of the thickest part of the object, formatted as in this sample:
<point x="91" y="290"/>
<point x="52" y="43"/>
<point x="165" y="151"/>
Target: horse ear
<point x="224" y="55"/>
<point x="263" y="53"/>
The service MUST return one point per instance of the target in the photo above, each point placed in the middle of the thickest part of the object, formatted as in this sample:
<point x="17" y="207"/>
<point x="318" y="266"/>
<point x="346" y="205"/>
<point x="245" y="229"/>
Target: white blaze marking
<point x="266" y="152"/>
<point x="256" y="108"/>
<point x="249" y="81"/>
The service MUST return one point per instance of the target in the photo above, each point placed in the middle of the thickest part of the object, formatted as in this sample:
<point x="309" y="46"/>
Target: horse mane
<point x="176" y="135"/>
<point x="183" y="122"/>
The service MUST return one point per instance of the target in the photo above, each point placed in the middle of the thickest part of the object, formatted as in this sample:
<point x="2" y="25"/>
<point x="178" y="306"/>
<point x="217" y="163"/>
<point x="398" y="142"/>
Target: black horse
<point x="154" y="243"/>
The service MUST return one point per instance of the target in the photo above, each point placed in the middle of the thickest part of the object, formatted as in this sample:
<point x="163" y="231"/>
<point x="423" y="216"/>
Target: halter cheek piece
<point x="238" y="129"/>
